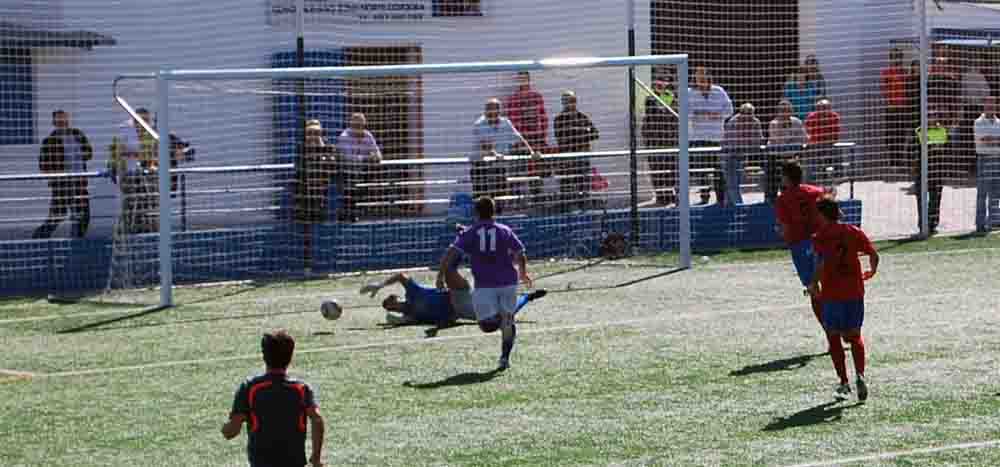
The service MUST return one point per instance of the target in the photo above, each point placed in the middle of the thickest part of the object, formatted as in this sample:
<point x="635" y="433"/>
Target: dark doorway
<point x="393" y="106"/>
<point x="749" y="46"/>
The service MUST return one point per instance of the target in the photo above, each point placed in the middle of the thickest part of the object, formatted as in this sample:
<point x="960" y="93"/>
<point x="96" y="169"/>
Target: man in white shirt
<point x="987" y="135"/>
<point x="360" y="158"/>
<point x="495" y="137"/>
<point x="708" y="109"/>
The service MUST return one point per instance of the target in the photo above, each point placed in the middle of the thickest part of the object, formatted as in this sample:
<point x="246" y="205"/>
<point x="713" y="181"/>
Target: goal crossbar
<point x="165" y="76"/>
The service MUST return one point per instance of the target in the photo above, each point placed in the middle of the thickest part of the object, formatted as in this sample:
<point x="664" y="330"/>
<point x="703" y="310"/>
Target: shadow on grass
<point x="622" y="284"/>
<point x="460" y="379"/>
<point x="102" y="323"/>
<point x="784" y="364"/>
<point x="432" y="332"/>
<point x="901" y="243"/>
<point x="823" y="413"/>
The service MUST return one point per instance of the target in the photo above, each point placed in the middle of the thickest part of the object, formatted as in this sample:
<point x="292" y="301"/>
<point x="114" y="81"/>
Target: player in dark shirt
<point x="276" y="407"/>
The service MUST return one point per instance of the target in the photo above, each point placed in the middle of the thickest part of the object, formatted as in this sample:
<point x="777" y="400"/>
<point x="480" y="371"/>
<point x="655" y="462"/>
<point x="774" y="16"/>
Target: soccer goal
<point x="334" y="169"/>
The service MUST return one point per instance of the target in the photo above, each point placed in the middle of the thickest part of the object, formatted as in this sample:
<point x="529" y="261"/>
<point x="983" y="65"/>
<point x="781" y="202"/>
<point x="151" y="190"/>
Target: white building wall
<point x="229" y="127"/>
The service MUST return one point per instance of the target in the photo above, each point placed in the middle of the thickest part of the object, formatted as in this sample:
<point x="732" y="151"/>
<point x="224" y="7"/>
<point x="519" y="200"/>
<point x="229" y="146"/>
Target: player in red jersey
<point x="796" y="213"/>
<point x="839" y="283"/>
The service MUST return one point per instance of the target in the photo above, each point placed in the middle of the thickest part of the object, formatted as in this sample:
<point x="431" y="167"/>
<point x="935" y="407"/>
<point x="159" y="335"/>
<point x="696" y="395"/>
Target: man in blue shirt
<point x="495" y="137"/>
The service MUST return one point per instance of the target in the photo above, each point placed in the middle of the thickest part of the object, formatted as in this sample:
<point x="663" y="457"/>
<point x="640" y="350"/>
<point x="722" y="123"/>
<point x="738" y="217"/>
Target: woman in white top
<point x="360" y="156"/>
<point x="786" y="129"/>
<point x="785" y="137"/>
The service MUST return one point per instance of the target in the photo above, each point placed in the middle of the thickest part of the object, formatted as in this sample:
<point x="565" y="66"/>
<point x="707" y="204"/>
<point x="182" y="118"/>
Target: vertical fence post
<point x="924" y="201"/>
<point x="632" y="143"/>
<point x="683" y="166"/>
<point x="166" y="218"/>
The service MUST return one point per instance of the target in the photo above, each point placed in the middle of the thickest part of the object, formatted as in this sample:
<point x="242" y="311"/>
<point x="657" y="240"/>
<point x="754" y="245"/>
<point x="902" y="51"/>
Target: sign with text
<point x="319" y="12"/>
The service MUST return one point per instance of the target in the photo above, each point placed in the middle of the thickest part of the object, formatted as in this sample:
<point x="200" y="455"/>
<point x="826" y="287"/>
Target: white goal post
<point x="165" y="77"/>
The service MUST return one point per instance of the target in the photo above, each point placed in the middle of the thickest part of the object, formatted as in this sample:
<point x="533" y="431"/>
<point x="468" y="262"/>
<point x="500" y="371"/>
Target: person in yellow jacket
<point x="939" y="135"/>
<point x="133" y="166"/>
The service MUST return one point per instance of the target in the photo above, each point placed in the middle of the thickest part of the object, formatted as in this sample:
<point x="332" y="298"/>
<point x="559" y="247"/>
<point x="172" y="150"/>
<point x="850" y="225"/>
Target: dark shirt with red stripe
<point x="275" y="407"/>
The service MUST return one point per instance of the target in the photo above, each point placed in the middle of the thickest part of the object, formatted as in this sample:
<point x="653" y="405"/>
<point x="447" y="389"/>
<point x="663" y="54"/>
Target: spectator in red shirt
<point x="526" y="110"/>
<point x="894" y="94"/>
<point x="839" y="284"/>
<point x="823" y="128"/>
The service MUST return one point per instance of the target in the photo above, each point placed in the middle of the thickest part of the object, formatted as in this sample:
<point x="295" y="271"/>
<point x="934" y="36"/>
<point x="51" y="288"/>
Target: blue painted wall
<point x="31" y="267"/>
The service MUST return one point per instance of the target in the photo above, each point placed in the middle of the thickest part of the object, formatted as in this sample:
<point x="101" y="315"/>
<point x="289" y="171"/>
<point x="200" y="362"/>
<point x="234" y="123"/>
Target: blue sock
<point x="521" y="302"/>
<point x="508" y="344"/>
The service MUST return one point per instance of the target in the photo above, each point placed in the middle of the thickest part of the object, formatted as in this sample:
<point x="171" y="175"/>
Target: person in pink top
<point x="360" y="157"/>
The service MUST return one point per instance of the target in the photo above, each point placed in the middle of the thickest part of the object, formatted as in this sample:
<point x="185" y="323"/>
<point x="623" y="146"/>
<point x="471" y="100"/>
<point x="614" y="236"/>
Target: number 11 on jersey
<point x="492" y="234"/>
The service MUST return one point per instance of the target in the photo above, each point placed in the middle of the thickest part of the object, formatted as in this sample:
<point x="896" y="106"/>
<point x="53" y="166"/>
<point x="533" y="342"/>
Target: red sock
<point x="838" y="357"/>
<point x="817" y="311"/>
<point x="858" y="352"/>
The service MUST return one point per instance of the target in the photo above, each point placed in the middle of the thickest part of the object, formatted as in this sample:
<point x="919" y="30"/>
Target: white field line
<point x="437" y="340"/>
<point x="733" y="265"/>
<point x="897" y="454"/>
<point x="271" y="299"/>
<point x="17" y="373"/>
<point x="419" y="341"/>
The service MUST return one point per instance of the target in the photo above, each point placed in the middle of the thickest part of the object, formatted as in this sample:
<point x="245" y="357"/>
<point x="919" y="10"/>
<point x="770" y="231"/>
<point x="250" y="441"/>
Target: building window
<point x="457" y="8"/>
<point x="17" y="97"/>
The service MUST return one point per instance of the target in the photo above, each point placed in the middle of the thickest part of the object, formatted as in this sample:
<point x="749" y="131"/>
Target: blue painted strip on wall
<point x="30" y="267"/>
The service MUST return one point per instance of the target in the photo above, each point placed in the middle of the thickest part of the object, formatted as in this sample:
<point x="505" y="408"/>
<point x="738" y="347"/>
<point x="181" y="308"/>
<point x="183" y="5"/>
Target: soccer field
<point x="719" y="365"/>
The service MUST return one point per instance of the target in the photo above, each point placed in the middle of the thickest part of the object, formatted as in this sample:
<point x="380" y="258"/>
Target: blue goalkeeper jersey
<point x="426" y="304"/>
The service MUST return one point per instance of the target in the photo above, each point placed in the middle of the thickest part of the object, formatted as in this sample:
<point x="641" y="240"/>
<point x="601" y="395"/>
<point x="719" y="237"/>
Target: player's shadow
<point x="460" y="379"/>
<point x="823" y="413"/>
<point x="784" y="364"/>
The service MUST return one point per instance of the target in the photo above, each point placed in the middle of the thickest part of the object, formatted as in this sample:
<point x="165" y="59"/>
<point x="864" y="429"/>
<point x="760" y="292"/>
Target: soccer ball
<point x="331" y="310"/>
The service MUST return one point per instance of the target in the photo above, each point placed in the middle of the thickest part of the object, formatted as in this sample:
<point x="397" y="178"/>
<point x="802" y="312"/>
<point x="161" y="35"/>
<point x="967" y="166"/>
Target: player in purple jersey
<point x="493" y="250"/>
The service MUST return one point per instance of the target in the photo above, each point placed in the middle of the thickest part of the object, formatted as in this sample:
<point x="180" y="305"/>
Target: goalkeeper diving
<point x="432" y="306"/>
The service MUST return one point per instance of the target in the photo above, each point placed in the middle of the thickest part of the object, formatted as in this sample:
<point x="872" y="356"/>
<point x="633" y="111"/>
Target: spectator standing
<point x="709" y="107"/>
<point x="975" y="90"/>
<point x="802" y="93"/>
<point x="987" y="136"/>
<point x="360" y="161"/>
<point x="743" y="138"/>
<point x="275" y="408"/>
<point x="495" y="137"/>
<point x="66" y="151"/>
<point x="575" y="132"/>
<point x="132" y="164"/>
<point x="785" y="137"/>
<point x="526" y="111"/>
<point x="823" y="128"/>
<point x="939" y="145"/>
<point x="312" y="177"/>
<point x="913" y="121"/>
<point x="814" y="76"/>
<point x="944" y="87"/>
<point x="659" y="130"/>
<point x="894" y="89"/>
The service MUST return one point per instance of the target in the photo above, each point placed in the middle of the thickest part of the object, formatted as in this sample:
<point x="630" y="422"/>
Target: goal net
<point x="296" y="172"/>
<point x="246" y="133"/>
